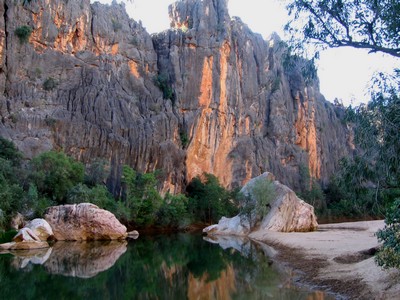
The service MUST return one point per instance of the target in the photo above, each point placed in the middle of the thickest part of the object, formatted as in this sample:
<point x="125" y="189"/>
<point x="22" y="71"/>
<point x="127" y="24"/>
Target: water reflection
<point x="179" y="266"/>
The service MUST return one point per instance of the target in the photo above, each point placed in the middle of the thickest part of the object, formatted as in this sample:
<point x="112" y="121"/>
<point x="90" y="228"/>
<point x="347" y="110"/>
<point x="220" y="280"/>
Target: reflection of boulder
<point x="36" y="257"/>
<point x="84" y="259"/>
<point x="84" y="221"/>
<point x="287" y="213"/>
<point x="241" y="244"/>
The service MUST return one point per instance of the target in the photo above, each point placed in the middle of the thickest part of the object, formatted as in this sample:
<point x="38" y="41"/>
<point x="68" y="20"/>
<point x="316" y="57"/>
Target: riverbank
<point x="338" y="258"/>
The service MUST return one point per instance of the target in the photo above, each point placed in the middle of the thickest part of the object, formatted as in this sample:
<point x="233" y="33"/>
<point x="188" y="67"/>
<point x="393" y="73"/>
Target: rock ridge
<point x="208" y="95"/>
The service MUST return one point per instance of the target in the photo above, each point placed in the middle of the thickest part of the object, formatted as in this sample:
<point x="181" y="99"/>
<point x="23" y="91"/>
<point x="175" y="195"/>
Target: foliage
<point x="162" y="82"/>
<point x="116" y="25"/>
<point x="50" y="84"/>
<point x="173" y="211"/>
<point x="184" y="138"/>
<point x="54" y="174"/>
<point x="8" y="151"/>
<point x="389" y="255"/>
<point x="141" y="196"/>
<point x="293" y="63"/>
<point x="97" y="173"/>
<point x="365" y="24"/>
<point x="208" y="200"/>
<point x="23" y="33"/>
<point x="255" y="205"/>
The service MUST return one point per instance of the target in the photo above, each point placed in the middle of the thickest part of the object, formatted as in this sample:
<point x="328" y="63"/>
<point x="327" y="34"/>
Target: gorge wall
<point x="208" y="95"/>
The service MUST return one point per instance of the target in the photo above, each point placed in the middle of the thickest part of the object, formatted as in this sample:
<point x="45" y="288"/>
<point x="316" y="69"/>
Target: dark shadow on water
<point x="177" y="266"/>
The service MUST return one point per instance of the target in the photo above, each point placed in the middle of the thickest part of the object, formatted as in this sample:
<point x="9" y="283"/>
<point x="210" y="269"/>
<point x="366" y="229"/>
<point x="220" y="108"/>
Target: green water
<point x="179" y="266"/>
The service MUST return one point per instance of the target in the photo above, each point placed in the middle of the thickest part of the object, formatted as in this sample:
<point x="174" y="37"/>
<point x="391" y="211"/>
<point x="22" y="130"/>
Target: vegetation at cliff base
<point x="53" y="178"/>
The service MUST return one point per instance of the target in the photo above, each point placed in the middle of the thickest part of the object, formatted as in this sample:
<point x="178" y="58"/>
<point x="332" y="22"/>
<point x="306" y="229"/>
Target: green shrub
<point x="389" y="255"/>
<point x="142" y="199"/>
<point x="9" y="152"/>
<point x="256" y="204"/>
<point x="162" y="82"/>
<point x="208" y="200"/>
<point x="116" y="25"/>
<point x="23" y="33"/>
<point x="173" y="211"/>
<point x="50" y="84"/>
<point x="54" y="174"/>
<point x="184" y="138"/>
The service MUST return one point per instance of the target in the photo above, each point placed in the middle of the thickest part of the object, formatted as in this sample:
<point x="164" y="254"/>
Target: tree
<point x="141" y="197"/>
<point x="255" y="204"/>
<point x="54" y="174"/>
<point x="366" y="24"/>
<point x="209" y="201"/>
<point x="9" y="152"/>
<point x="389" y="254"/>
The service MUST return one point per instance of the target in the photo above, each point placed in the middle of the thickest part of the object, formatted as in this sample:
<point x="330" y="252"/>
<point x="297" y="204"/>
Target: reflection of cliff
<point x="221" y="288"/>
<point x="83" y="259"/>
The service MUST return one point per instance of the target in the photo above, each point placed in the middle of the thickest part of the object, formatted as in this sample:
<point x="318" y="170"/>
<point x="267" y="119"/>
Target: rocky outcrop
<point x="208" y="95"/>
<point x="25" y="239"/>
<point x="40" y="228"/>
<point x="84" y="221"/>
<point x="287" y="213"/>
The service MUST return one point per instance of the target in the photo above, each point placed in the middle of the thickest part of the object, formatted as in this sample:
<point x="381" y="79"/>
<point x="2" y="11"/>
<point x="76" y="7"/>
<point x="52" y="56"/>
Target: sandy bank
<point x="338" y="257"/>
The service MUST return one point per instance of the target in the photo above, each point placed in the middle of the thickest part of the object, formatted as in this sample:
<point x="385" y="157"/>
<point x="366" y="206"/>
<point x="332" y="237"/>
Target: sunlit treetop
<point x="367" y="24"/>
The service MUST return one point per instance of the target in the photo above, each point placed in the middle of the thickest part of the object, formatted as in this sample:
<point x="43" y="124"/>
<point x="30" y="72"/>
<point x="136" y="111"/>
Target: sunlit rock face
<point x="286" y="213"/>
<point x="82" y="222"/>
<point x="85" y="83"/>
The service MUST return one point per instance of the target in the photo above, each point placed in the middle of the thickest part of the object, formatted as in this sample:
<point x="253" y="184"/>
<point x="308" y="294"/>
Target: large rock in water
<point x="287" y="213"/>
<point x="84" y="221"/>
<point x="41" y="228"/>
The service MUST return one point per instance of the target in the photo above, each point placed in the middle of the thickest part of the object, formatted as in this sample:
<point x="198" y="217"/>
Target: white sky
<point x="344" y="73"/>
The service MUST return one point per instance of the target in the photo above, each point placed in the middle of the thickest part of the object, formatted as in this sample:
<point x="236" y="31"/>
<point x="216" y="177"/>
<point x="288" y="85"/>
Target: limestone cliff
<point x="93" y="82"/>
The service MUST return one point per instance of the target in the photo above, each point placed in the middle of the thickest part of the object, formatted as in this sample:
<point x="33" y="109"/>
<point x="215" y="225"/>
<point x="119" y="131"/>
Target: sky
<point x="344" y="73"/>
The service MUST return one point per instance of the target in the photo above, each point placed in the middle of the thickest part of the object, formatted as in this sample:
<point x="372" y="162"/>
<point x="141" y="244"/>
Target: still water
<point x="178" y="266"/>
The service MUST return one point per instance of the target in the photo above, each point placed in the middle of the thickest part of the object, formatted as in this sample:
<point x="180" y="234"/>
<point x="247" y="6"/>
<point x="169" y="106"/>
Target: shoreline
<point x="337" y="258"/>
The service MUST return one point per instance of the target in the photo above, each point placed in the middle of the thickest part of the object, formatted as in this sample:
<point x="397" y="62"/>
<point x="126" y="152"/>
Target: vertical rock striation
<point x="92" y="82"/>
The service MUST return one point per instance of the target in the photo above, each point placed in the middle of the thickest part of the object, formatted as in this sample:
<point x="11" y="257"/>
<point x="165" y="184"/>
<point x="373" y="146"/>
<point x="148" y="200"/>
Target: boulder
<point x="84" y="221"/>
<point x="287" y="213"/>
<point x="26" y="235"/>
<point x="41" y="228"/>
<point x="230" y="226"/>
<point x="134" y="234"/>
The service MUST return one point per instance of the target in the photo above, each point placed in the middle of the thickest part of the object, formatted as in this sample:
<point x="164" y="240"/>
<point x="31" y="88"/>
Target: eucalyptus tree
<point x="366" y="24"/>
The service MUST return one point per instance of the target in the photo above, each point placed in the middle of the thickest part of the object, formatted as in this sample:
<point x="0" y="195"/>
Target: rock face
<point x="230" y="103"/>
<point x="287" y="213"/>
<point x="40" y="228"/>
<point x="84" y="221"/>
